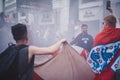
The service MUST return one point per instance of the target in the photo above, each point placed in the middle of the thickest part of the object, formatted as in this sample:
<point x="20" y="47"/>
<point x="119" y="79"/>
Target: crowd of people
<point x="103" y="50"/>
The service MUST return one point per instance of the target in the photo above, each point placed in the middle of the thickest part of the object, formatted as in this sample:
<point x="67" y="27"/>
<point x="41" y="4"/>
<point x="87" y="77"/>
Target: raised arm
<point x="111" y="11"/>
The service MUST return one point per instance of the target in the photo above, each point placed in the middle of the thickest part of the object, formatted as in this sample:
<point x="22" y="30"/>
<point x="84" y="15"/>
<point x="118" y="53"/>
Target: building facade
<point x="62" y="14"/>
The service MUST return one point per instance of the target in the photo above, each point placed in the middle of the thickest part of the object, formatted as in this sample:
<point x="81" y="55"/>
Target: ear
<point x="26" y="37"/>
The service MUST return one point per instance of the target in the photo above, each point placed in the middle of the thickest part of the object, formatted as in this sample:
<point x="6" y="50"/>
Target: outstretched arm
<point x="111" y="11"/>
<point x="45" y="50"/>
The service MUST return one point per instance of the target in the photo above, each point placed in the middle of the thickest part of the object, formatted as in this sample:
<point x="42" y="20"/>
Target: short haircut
<point x="110" y="20"/>
<point x="19" y="31"/>
<point x="84" y="25"/>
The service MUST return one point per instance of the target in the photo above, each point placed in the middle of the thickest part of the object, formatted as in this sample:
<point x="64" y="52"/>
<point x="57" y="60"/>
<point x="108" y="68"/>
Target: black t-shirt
<point x="20" y="68"/>
<point x="83" y="40"/>
<point x="25" y="67"/>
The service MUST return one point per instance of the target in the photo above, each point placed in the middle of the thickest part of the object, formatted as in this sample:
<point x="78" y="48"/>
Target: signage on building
<point x="10" y="6"/>
<point x="46" y="17"/>
<point x="59" y="3"/>
<point x="90" y="14"/>
<point x="1" y="6"/>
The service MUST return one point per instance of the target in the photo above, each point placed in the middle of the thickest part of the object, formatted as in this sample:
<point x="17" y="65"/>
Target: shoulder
<point x="89" y="36"/>
<point x="80" y="34"/>
<point x="118" y="29"/>
<point x="32" y="49"/>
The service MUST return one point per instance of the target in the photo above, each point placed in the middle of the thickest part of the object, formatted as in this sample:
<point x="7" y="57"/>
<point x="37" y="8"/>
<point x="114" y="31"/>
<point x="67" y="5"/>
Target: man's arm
<point x="44" y="50"/>
<point x="111" y="11"/>
<point x="76" y="40"/>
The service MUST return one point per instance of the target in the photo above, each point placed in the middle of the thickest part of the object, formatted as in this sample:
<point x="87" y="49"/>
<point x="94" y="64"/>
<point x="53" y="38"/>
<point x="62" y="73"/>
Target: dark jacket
<point x="83" y="40"/>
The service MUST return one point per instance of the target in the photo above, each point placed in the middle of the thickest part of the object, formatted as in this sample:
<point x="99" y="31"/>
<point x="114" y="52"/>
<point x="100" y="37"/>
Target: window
<point x="86" y="1"/>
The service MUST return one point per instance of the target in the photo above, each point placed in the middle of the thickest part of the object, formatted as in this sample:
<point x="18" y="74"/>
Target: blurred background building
<point x="49" y="20"/>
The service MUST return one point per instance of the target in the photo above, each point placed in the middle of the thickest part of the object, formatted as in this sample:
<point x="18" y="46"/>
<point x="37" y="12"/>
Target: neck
<point x="21" y="42"/>
<point x="113" y="26"/>
<point x="84" y="32"/>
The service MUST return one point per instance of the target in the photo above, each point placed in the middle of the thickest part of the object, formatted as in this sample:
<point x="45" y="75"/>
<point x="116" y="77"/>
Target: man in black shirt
<point x="25" y="59"/>
<point x="83" y="39"/>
